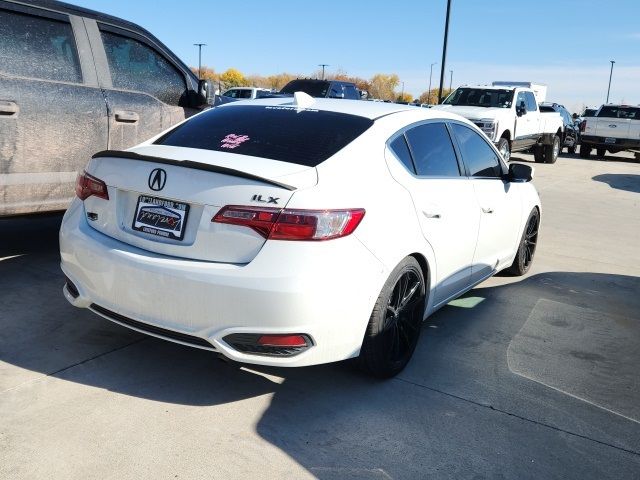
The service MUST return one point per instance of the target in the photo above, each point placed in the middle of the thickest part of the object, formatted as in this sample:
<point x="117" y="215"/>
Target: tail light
<point x="88" y="185"/>
<point x="583" y="125"/>
<point x="277" y="224"/>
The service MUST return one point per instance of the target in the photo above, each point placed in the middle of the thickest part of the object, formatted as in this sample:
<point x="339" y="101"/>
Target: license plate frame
<point x="610" y="140"/>
<point x="154" y="216"/>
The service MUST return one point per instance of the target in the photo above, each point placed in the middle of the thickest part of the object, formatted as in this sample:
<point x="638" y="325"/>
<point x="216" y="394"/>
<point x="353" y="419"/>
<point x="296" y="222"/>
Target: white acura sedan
<point x="297" y="231"/>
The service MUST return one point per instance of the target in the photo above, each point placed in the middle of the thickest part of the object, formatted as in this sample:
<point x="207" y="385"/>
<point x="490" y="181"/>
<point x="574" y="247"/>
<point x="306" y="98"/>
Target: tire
<point x="585" y="151"/>
<point x="552" y="151"/>
<point x="505" y="149"/>
<point x="538" y="154"/>
<point x="527" y="247"/>
<point x="392" y="333"/>
<point x="601" y="152"/>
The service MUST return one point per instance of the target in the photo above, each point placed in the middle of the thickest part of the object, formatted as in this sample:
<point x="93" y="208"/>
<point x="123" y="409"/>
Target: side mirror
<point x="521" y="108"/>
<point x="203" y="97"/>
<point x="519" y="172"/>
<point x="205" y="91"/>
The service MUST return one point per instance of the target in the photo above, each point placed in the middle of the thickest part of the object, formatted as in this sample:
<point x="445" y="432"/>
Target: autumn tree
<point x="232" y="78"/>
<point x="278" y="81"/>
<point x="431" y="97"/>
<point x="206" y="73"/>
<point x="405" y="97"/>
<point x="383" y="86"/>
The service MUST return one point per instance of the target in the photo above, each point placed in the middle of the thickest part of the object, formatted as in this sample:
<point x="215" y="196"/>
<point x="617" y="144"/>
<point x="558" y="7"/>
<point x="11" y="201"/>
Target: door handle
<point x="431" y="215"/>
<point x="126" y="116"/>
<point x="7" y="107"/>
<point x="487" y="209"/>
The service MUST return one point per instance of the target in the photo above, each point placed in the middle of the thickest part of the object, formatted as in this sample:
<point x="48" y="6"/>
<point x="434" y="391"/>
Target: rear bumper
<point x="325" y="290"/>
<point x="620" y="143"/>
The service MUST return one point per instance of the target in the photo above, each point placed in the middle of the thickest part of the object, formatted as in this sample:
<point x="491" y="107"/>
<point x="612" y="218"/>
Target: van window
<point x="135" y="66"/>
<point x="278" y="132"/>
<point x="38" y="47"/>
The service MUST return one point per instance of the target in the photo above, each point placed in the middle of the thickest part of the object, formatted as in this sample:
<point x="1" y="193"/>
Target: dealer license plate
<point x="164" y="218"/>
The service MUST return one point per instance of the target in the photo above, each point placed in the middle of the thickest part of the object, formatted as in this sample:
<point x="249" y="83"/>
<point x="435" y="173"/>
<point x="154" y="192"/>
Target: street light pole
<point x="444" y="50"/>
<point x="610" y="75"/>
<point x="323" y="65"/>
<point x="200" y="45"/>
<point x="402" y="94"/>
<point x="450" y="79"/>
<point x="430" y="75"/>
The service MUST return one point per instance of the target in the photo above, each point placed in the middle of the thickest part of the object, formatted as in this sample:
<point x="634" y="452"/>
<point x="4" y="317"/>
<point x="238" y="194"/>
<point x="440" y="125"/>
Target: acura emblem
<point x="157" y="179"/>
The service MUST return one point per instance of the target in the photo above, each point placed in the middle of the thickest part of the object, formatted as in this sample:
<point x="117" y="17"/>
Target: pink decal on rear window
<point x="232" y="140"/>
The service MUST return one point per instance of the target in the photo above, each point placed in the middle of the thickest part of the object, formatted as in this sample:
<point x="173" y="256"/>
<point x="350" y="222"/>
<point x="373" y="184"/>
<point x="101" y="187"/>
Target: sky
<point x="565" y="44"/>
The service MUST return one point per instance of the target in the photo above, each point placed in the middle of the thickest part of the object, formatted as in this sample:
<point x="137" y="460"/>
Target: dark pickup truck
<point x="73" y="82"/>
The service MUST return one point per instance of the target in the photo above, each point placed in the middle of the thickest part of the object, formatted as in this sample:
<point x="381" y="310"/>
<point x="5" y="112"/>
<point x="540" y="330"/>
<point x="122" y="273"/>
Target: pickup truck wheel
<point x="504" y="149"/>
<point x="538" y="154"/>
<point x="600" y="152"/>
<point x="551" y="151"/>
<point x="585" y="151"/>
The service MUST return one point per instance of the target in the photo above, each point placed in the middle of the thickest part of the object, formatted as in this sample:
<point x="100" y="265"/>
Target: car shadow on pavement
<point x="620" y="181"/>
<point x="478" y="400"/>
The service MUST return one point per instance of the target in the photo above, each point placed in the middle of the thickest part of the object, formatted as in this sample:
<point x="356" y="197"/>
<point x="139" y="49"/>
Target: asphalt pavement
<point x="529" y="378"/>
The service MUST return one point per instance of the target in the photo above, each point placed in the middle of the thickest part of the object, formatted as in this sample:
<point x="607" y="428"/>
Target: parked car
<point x="614" y="128"/>
<point x="247" y="230"/>
<point x="73" y="82"/>
<point x="510" y="118"/>
<point x="570" y="129"/>
<point x="247" y="92"/>
<point x="322" y="88"/>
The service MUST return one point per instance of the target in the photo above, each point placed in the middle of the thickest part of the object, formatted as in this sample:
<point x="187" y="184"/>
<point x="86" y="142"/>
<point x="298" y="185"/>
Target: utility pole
<point x="430" y="75"/>
<point x="402" y="94"/>
<point x="200" y="45"/>
<point x="610" y="75"/>
<point x="323" y="65"/>
<point x="444" y="51"/>
<point x="450" y="80"/>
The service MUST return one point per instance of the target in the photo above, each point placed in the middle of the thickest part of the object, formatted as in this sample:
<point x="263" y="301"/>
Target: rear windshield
<point x="314" y="88"/>
<point x="545" y="109"/>
<point x="306" y="137"/>
<point x="589" y="112"/>
<point x="620" y="112"/>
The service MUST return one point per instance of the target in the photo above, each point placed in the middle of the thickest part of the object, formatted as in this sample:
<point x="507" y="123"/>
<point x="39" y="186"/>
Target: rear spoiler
<point x="190" y="164"/>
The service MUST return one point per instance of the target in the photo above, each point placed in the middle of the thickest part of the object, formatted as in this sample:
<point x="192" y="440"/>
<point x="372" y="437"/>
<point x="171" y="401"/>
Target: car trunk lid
<point x="164" y="204"/>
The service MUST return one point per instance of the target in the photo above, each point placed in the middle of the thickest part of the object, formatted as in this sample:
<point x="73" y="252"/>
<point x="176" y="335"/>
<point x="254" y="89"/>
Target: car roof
<point x="370" y="110"/>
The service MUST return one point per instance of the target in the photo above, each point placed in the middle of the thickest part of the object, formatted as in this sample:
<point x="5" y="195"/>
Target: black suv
<point x="73" y="82"/>
<point x="569" y="131"/>
<point x="322" y="88"/>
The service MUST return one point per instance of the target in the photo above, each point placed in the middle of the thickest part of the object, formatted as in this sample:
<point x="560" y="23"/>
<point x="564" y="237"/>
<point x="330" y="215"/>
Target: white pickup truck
<point x="510" y="117"/>
<point x="614" y="128"/>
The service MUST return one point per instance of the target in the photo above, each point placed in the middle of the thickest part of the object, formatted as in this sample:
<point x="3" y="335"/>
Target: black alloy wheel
<point x="395" y="323"/>
<point x="527" y="248"/>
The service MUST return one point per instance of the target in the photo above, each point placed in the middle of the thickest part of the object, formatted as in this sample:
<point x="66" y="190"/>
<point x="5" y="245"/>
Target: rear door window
<point x="351" y="92"/>
<point x="38" y="47"/>
<point x="530" y="99"/>
<point x="136" y="66"/>
<point x="478" y="156"/>
<point x="401" y="150"/>
<point x="433" y="151"/>
<point x="307" y="137"/>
